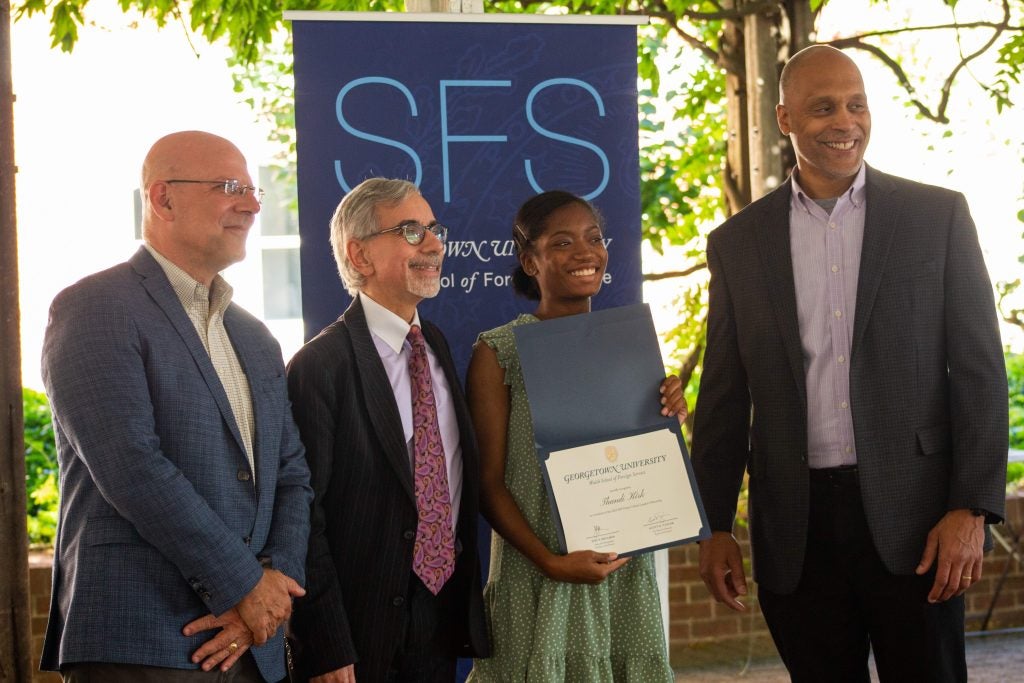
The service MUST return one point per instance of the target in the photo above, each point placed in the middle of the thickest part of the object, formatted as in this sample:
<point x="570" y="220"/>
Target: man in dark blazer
<point x="184" y="504"/>
<point x="370" y="615"/>
<point x="854" y="370"/>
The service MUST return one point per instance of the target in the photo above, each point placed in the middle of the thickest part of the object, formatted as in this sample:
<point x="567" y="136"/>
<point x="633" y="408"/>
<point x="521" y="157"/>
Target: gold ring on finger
<point x="232" y="647"/>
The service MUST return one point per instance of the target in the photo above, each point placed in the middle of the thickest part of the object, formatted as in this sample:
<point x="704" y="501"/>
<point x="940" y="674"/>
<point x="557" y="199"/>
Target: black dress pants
<point x="847" y="602"/>
<point x="426" y="655"/>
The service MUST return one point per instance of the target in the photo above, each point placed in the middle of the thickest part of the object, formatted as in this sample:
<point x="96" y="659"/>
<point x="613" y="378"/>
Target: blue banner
<point x="481" y="113"/>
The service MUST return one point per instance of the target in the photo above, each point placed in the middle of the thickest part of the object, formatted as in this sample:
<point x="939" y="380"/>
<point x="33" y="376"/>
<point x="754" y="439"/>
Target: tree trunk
<point x="761" y="34"/>
<point x="15" y="640"/>
<point x="799" y="27"/>
<point x="737" y="156"/>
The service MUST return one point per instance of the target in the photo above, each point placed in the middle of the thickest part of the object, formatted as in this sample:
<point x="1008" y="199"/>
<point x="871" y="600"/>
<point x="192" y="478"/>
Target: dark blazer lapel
<point x="880" y="221"/>
<point x="380" y="399"/>
<point x="159" y="288"/>
<point x="772" y="228"/>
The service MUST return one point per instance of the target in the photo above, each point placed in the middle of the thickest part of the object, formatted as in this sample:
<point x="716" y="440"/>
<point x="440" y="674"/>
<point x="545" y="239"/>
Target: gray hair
<point x="356" y="219"/>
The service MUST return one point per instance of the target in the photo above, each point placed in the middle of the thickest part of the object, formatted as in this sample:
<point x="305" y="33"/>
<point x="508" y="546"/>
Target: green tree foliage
<point x="1008" y="293"/>
<point x="40" y="468"/>
<point x="1015" y="379"/>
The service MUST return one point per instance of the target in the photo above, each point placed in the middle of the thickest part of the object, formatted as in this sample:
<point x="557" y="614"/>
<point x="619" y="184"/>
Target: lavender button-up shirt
<point x="388" y="332"/>
<point x="825" y="249"/>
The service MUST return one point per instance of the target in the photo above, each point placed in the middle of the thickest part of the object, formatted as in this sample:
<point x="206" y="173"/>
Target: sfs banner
<point x="481" y="112"/>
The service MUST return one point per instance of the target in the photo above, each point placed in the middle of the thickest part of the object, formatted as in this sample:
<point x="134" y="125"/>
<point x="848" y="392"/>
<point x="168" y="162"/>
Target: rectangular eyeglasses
<point x="231" y="187"/>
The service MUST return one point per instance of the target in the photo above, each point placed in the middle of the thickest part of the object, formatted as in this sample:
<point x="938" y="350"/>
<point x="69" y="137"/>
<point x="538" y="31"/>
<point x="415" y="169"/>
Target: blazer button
<point x="398" y="601"/>
<point x="247" y="540"/>
<point x="206" y="596"/>
<point x="409" y="535"/>
<point x="243" y="475"/>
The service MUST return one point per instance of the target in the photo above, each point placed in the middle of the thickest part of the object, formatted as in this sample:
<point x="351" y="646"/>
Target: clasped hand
<point x="254" y="620"/>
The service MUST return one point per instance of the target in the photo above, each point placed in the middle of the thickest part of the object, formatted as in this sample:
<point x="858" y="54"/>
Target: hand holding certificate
<point x="617" y="472"/>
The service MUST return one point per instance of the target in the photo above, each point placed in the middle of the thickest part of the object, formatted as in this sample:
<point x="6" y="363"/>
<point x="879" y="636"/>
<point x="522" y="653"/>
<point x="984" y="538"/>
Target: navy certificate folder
<point x="594" y="378"/>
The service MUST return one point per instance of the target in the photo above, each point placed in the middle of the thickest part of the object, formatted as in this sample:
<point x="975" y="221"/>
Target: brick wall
<point x="703" y="632"/>
<point x="39" y="570"/>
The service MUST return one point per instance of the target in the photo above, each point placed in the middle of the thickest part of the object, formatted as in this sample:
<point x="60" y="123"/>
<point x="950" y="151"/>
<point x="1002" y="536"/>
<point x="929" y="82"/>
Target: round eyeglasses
<point x="231" y="187"/>
<point x="414" y="232"/>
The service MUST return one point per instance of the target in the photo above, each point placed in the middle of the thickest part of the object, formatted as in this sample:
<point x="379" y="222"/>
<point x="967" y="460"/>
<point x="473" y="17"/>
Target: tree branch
<point x="653" y="277"/>
<point x="689" y="365"/>
<point x="940" y="27"/>
<point x="734" y="196"/>
<point x="1014" y="316"/>
<point x="730" y="14"/>
<point x="660" y="11"/>
<point x="948" y="85"/>
<point x="939" y="115"/>
<point x="895" y="67"/>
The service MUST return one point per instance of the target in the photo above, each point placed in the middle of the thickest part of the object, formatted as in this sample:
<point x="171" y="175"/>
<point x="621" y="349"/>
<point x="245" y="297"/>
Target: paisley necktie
<point x="434" y="553"/>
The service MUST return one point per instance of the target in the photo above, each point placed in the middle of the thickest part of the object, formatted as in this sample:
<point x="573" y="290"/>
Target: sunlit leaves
<point x="65" y="18"/>
<point x="1010" y="61"/>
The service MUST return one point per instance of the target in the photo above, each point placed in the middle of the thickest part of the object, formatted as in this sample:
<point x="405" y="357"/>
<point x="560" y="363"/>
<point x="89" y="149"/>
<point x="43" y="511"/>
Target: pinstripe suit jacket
<point x="364" y="511"/>
<point x="927" y="379"/>
<point x="159" y="520"/>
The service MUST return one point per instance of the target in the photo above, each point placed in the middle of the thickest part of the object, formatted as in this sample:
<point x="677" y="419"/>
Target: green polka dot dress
<point x="546" y="631"/>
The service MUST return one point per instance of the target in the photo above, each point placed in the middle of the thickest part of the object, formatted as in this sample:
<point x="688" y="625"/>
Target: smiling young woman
<point x="551" y="615"/>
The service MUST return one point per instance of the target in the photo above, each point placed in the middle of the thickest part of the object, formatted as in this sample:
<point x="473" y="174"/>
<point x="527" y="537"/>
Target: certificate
<point x="617" y="473"/>
<point x="624" y="495"/>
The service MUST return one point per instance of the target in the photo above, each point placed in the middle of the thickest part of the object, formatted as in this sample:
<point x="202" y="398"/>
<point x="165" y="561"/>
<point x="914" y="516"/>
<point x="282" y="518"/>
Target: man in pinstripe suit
<point x="854" y="371"/>
<point x="184" y="491"/>
<point x="372" y="613"/>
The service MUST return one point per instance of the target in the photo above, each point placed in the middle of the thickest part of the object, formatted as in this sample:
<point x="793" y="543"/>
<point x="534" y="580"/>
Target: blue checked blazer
<point x="160" y="522"/>
<point x="927" y="380"/>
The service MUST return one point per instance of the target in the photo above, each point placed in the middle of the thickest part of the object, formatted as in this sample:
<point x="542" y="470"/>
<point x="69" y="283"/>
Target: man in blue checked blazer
<point x="184" y="488"/>
<point x="854" y="370"/>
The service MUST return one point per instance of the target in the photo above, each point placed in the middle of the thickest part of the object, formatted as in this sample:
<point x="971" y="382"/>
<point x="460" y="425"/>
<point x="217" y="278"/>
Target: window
<point x="279" y="245"/>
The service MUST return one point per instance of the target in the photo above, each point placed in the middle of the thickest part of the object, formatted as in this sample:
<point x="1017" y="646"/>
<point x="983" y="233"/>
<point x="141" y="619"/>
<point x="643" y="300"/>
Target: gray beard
<point x="425" y="290"/>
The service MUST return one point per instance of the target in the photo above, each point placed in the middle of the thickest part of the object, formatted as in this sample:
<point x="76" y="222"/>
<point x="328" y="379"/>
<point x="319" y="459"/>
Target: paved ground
<point x="990" y="659"/>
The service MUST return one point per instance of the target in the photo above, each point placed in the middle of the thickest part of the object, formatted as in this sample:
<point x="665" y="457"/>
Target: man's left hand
<point x="957" y="541"/>
<point x="226" y="647"/>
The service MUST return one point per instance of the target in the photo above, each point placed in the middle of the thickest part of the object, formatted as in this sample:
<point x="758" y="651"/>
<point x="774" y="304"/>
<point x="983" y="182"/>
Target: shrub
<point x="40" y="468"/>
<point x="1015" y="379"/>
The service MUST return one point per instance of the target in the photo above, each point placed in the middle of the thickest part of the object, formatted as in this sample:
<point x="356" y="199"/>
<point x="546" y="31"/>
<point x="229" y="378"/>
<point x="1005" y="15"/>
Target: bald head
<point x="815" y="57"/>
<point x="187" y="214"/>
<point x="183" y="154"/>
